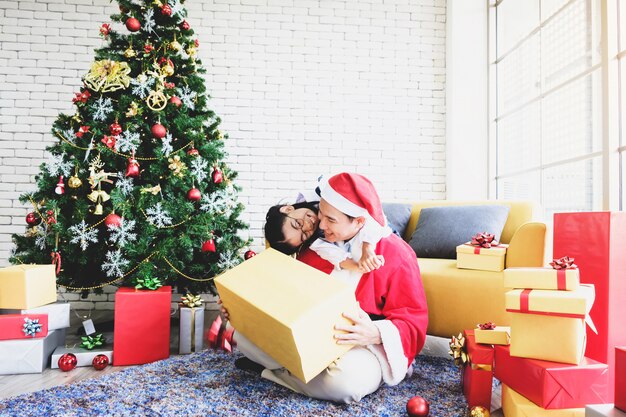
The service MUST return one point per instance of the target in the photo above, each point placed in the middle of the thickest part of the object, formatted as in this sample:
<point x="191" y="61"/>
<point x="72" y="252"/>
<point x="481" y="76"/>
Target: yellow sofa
<point x="460" y="298"/>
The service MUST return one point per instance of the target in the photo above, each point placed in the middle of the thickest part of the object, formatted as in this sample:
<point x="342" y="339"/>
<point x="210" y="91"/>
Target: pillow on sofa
<point x="398" y="215"/>
<point x="440" y="230"/>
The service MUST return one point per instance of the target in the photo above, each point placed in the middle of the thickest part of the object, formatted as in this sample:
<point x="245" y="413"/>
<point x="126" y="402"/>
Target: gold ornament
<point x="132" y="110"/>
<point x="191" y="51"/>
<point x="156" y="100"/>
<point x="152" y="190"/>
<point x="74" y="182"/>
<point x="177" y="166"/>
<point x="479" y="411"/>
<point x="96" y="195"/>
<point x="130" y="52"/>
<point x="167" y="70"/>
<point x="98" y="210"/>
<point x="175" y="46"/>
<point x="107" y="75"/>
<point x="32" y="232"/>
<point x="219" y="135"/>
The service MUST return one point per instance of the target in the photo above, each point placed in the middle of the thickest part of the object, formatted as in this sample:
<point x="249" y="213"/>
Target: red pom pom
<point x="133" y="24"/>
<point x="67" y="362"/>
<point x="158" y="131"/>
<point x="184" y="25"/>
<point x="417" y="407"/>
<point x="112" y="220"/>
<point x="100" y="362"/>
<point x="166" y="10"/>
<point x="194" y="194"/>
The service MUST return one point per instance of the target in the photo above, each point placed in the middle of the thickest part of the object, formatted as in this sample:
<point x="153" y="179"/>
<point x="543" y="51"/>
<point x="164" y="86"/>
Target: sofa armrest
<point x="527" y="246"/>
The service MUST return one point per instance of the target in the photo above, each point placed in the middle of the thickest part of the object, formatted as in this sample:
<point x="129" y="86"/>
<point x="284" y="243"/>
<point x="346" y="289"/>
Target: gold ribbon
<point x="480" y="366"/>
<point x="190" y="301"/>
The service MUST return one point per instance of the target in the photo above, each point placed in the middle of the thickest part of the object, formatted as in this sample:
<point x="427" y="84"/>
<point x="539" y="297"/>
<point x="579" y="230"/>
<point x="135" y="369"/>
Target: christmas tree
<point x="136" y="190"/>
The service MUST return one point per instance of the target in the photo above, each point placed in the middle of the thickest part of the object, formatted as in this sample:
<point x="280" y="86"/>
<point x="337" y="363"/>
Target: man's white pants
<point x="351" y="377"/>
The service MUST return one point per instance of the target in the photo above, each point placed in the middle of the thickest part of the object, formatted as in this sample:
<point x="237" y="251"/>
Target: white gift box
<point x="603" y="410"/>
<point x="29" y="356"/>
<point x="58" y="314"/>
<point x="191" y="328"/>
<point x="84" y="356"/>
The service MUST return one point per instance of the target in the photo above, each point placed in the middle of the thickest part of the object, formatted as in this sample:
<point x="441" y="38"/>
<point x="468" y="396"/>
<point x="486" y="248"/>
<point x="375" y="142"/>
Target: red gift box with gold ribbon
<point x="23" y="326"/>
<point x="141" y="332"/>
<point x="477" y="372"/>
<point x="553" y="385"/>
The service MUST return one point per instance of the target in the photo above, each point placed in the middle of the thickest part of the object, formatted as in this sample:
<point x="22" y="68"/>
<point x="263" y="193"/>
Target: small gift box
<point x="29" y="356"/>
<point x="490" y="334"/>
<point x="27" y="286"/>
<point x="516" y="405"/>
<point x="84" y="356"/>
<point x="481" y="253"/>
<point x="549" y="325"/>
<point x="17" y="326"/>
<point x="603" y="410"/>
<point x="620" y="378"/>
<point x="58" y="314"/>
<point x="563" y="275"/>
<point x="191" y="324"/>
<point x="477" y="372"/>
<point x="553" y="385"/>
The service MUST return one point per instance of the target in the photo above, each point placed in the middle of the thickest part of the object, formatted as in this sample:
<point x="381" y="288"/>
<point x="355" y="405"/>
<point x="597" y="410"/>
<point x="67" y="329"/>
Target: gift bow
<point x="563" y="263"/>
<point x="457" y="350"/>
<point x="487" y="326"/>
<point x="90" y="342"/>
<point x="484" y="240"/>
<point x="31" y="327"/>
<point x="190" y="301"/>
<point x="148" y="283"/>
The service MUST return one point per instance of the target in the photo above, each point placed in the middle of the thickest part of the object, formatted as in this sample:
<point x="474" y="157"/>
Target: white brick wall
<point x="304" y="87"/>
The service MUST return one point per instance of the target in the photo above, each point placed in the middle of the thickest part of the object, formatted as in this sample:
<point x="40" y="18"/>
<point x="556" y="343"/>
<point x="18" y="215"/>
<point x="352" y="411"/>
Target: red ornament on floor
<point x="158" y="131"/>
<point x="417" y="407"/>
<point x="209" y="246"/>
<point x="67" y="362"/>
<point x="100" y="362"/>
<point x="133" y="24"/>
<point x="249" y="254"/>
<point x="112" y="221"/>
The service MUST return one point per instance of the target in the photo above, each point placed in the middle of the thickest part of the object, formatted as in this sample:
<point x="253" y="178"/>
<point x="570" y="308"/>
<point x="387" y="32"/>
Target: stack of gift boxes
<point x="32" y="323"/>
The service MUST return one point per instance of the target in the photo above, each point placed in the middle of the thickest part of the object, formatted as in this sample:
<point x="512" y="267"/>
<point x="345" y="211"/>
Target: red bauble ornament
<point x="60" y="188"/>
<point x="176" y="101"/>
<point x="417" y="407"/>
<point x="112" y="220"/>
<point x="249" y="254"/>
<point x="184" y="25"/>
<point x="209" y="246"/>
<point x="115" y="129"/>
<point x="100" y="362"/>
<point x="166" y="10"/>
<point x="132" y="170"/>
<point x="158" y="131"/>
<point x="133" y="24"/>
<point x="194" y="194"/>
<point x="32" y="219"/>
<point x="193" y="152"/>
<point x="67" y="362"/>
<point x="217" y="176"/>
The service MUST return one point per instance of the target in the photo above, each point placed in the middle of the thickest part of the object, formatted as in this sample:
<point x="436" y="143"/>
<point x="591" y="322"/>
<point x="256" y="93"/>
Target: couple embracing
<point x="345" y="234"/>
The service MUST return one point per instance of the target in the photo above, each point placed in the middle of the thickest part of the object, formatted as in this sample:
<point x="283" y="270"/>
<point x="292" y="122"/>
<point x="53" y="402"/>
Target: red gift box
<point x="597" y="241"/>
<point x="553" y="385"/>
<point x="620" y="378"/>
<point x="12" y="326"/>
<point x="477" y="373"/>
<point x="141" y="332"/>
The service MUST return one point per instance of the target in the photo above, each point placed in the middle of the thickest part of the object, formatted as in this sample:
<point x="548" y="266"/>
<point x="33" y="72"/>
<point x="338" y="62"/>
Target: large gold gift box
<point x="288" y="309"/>
<point x="542" y="278"/>
<point x="516" y="405"/>
<point x="549" y="325"/>
<point x="27" y="286"/>
<point x="483" y="259"/>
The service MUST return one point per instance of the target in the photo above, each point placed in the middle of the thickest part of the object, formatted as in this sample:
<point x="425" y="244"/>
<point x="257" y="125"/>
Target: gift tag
<point x="89" y="327"/>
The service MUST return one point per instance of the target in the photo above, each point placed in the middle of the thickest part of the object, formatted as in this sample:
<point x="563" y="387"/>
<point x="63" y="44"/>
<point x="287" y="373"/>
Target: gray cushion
<point x="398" y="215"/>
<point x="440" y="230"/>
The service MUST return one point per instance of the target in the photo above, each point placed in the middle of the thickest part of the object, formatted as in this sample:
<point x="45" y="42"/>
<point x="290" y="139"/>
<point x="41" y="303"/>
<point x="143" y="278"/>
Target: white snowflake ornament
<point x="83" y="235"/>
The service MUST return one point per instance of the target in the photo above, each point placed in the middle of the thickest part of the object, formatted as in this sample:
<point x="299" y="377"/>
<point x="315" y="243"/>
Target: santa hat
<point x="354" y="195"/>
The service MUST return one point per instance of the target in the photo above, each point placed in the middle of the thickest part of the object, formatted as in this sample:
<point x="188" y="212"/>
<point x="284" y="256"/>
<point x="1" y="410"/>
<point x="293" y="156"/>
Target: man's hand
<point x="223" y="310"/>
<point x="362" y="332"/>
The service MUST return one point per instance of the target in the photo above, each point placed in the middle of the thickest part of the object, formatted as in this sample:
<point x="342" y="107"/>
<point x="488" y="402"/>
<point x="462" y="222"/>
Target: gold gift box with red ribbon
<point x="550" y="325"/>
<point x="542" y="278"/>
<point x="482" y="259"/>
<point x="516" y="405"/>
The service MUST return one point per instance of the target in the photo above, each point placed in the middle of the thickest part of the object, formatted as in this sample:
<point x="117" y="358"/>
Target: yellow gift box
<point x="288" y="309"/>
<point x="549" y="325"/>
<point x="27" y="286"/>
<point x="483" y="259"/>
<point x="501" y="335"/>
<point x="516" y="405"/>
<point x="542" y="278"/>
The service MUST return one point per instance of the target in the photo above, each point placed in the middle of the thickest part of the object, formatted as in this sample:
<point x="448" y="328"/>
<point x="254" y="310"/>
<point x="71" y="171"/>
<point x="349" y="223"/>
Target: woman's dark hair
<point x="274" y="222"/>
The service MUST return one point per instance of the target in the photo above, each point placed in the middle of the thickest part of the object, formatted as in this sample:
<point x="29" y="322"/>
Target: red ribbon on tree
<point x="563" y="263"/>
<point x="56" y="260"/>
<point x="484" y="240"/>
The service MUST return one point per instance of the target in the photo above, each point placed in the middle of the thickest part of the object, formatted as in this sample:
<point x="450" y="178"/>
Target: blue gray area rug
<point x="208" y="384"/>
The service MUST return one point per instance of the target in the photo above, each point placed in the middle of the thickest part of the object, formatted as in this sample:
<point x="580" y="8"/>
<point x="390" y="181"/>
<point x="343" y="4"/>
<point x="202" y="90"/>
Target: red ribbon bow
<point x="487" y="326"/>
<point x="563" y="263"/>
<point x="484" y="240"/>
